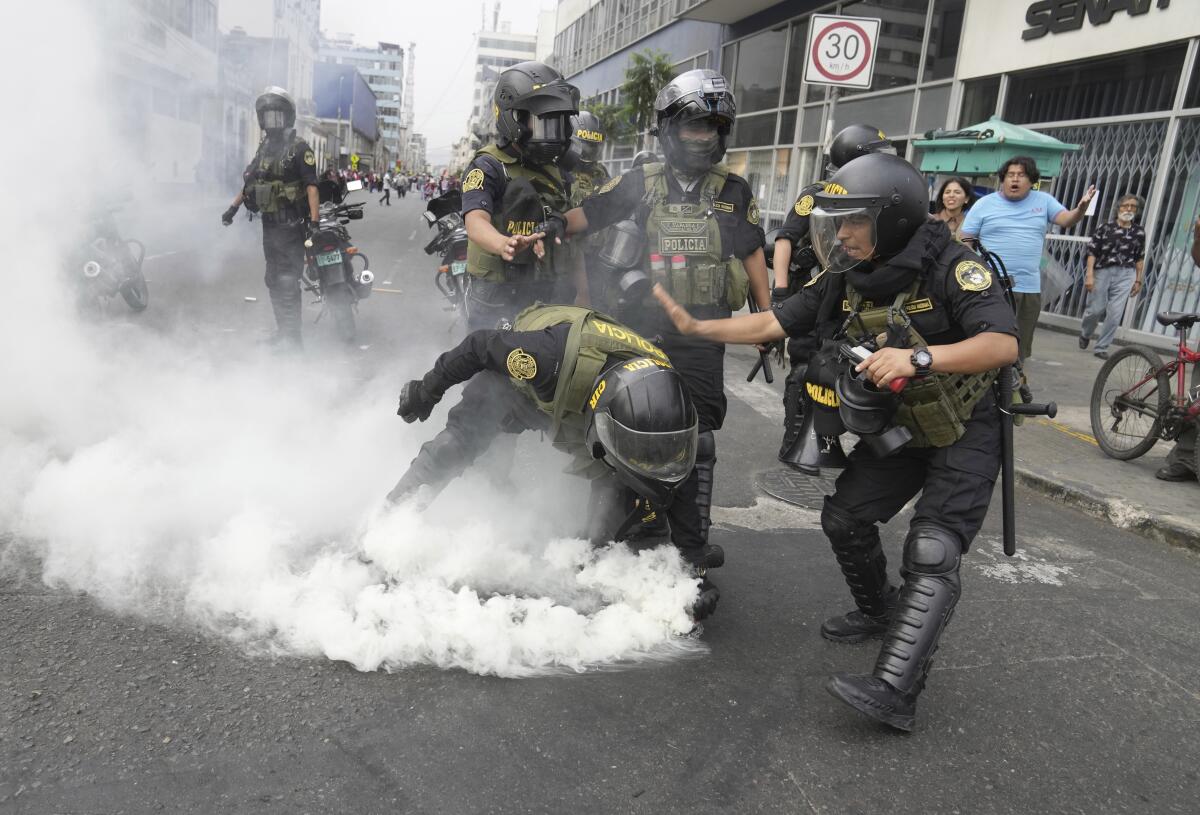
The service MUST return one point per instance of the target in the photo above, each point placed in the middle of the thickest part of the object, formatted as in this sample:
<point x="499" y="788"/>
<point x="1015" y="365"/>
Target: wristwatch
<point x="922" y="361"/>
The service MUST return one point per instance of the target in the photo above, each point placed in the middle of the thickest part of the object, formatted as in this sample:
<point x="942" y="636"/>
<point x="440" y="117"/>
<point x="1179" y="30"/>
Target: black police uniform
<point x="491" y="405"/>
<point x="485" y="184"/>
<point x="284" y="229"/>
<point x="956" y="299"/>
<point x="700" y="363"/>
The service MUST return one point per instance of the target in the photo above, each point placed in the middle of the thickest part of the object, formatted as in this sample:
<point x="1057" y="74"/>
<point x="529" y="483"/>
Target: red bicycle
<point x="1133" y="405"/>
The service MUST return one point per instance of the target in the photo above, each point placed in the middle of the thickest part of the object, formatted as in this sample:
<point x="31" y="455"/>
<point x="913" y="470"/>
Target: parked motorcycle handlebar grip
<point x="1049" y="409"/>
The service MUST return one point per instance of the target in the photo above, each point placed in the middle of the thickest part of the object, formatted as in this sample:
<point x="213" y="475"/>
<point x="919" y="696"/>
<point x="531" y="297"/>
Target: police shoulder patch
<point x="309" y="158"/>
<point x="804" y="205"/>
<point x="473" y="181"/>
<point x="521" y="365"/>
<point x="608" y="185"/>
<point x="972" y="276"/>
<point x="752" y="212"/>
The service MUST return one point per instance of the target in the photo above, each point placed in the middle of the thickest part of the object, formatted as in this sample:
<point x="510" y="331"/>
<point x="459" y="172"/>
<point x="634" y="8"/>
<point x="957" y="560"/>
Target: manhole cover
<point x="796" y="488"/>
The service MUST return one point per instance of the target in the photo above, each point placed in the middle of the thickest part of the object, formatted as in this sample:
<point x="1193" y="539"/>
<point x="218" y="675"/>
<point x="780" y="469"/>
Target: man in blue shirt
<point x="1012" y="223"/>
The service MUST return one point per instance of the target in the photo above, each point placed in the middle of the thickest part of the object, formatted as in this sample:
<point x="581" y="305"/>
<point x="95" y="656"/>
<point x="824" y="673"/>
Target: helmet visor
<point x="552" y="127"/>
<point x="665" y="457"/>
<point x="589" y="151"/>
<point x="273" y="119"/>
<point x="843" y="238"/>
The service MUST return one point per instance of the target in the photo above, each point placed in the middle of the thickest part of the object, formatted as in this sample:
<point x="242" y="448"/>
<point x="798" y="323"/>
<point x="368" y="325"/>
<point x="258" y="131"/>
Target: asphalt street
<point x="1066" y="682"/>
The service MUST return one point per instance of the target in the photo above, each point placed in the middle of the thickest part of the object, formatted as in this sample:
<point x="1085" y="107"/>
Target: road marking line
<point x="1075" y="434"/>
<point x="766" y="401"/>
<point x="413" y="236"/>
<point x="160" y="255"/>
<point x="388" y="291"/>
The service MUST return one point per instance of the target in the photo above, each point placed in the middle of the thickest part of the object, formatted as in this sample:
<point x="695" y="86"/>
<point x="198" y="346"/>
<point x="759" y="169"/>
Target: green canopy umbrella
<point x="981" y="149"/>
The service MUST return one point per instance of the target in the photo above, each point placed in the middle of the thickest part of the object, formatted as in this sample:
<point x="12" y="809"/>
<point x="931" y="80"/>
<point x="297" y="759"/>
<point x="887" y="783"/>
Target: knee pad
<point x="706" y="446"/>
<point x="841" y="527"/>
<point x="932" y="550"/>
<point x="283" y="283"/>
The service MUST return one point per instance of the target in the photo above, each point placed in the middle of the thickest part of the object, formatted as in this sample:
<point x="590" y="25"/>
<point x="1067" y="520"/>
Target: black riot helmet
<point x="276" y="110"/>
<point x="587" y="136"/>
<point x="856" y="141"/>
<point x="869" y="209"/>
<point x="533" y="107"/>
<point x="702" y="99"/>
<point x="644" y="426"/>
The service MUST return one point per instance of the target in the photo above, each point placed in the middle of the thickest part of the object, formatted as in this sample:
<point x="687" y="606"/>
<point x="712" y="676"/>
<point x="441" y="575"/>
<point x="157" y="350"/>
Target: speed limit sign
<point x="841" y="50"/>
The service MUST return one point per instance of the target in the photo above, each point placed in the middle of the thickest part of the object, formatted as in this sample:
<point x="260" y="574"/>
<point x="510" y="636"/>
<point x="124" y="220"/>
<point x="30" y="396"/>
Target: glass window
<point x="1192" y="100"/>
<point x="795" y="69"/>
<point x="810" y="126"/>
<point x="932" y="107"/>
<point x="944" y="33"/>
<point x="901" y="29"/>
<point x="729" y="62"/>
<point x="753" y="131"/>
<point x="757" y="167"/>
<point x="979" y="100"/>
<point x="1136" y="82"/>
<point x="760" y="70"/>
<point x="778" y="200"/>
<point x="787" y="127"/>
<point x="815" y="93"/>
<point x="888" y="113"/>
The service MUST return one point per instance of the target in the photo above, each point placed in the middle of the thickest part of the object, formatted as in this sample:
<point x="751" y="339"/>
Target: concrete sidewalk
<point x="1059" y="457"/>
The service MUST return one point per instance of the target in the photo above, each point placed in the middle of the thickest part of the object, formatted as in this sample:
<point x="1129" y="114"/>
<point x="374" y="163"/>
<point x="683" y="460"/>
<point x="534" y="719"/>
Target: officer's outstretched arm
<point x="481" y="232"/>
<point x="576" y="221"/>
<point x="746" y="329"/>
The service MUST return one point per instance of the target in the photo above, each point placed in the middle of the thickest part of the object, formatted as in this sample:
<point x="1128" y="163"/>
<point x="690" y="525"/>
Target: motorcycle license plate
<point x="458" y="267"/>
<point x="329" y="258"/>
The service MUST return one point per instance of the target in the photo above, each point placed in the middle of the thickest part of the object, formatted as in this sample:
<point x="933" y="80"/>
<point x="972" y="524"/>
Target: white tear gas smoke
<point x="168" y="477"/>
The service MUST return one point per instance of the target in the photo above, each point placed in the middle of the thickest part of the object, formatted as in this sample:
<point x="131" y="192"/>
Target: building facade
<point x="1120" y="78"/>
<point x="495" y="50"/>
<point x="348" y="118"/>
<point x="383" y="69"/>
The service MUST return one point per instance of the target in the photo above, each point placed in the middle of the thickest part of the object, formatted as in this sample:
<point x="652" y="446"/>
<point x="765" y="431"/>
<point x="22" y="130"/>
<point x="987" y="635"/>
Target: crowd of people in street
<point x="599" y="310"/>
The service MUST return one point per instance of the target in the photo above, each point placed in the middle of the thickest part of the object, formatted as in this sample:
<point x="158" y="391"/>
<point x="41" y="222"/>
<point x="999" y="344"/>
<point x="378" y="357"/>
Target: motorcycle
<point x="329" y="269"/>
<point x="107" y="265"/>
<point x="452" y="280"/>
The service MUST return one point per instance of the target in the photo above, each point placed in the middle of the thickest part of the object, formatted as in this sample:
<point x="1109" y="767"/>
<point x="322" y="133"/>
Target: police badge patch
<point x="309" y="158"/>
<point x="752" y="212"/>
<point x="972" y="276"/>
<point x="521" y="365"/>
<point x="473" y="181"/>
<point x="608" y="185"/>
<point x="804" y="205"/>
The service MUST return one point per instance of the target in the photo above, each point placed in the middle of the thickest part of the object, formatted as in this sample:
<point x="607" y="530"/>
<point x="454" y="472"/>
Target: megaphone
<point x="812" y="450"/>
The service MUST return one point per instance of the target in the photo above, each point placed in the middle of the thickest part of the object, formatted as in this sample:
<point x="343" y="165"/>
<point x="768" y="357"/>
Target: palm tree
<point x="648" y="71"/>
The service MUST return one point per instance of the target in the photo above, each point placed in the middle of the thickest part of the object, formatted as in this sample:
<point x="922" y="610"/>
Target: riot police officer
<point x="896" y="281"/>
<point x="703" y="240"/>
<point x="510" y="187"/>
<point x="588" y="175"/>
<point x="792" y="249"/>
<point x="601" y="392"/>
<point x="281" y="185"/>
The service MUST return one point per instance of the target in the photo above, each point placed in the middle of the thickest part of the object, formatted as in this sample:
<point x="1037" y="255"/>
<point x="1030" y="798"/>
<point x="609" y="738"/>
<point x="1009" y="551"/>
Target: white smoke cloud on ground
<point x="241" y="493"/>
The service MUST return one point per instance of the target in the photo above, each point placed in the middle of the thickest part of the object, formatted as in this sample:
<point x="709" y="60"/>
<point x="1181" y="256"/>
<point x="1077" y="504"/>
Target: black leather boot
<point x="860" y="556"/>
<point x="927" y="599"/>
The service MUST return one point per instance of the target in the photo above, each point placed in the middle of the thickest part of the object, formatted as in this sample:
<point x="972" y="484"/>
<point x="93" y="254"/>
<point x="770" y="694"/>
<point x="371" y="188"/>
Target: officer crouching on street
<point x="510" y="187"/>
<point x="702" y="241"/>
<point x="281" y="185"/>
<point x="897" y="282"/>
<point x="602" y="393"/>
<point x="792" y="248"/>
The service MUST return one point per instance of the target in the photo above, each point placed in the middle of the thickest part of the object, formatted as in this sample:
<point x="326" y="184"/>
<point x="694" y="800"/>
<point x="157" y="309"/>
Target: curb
<point x="1120" y="514"/>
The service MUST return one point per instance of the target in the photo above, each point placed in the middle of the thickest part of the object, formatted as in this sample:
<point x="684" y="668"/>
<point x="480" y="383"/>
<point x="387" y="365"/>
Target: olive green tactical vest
<point x="711" y="276"/>
<point x="592" y="339"/>
<point x="272" y="195"/>
<point x="934" y="408"/>
<point x="588" y="179"/>
<point x="548" y="183"/>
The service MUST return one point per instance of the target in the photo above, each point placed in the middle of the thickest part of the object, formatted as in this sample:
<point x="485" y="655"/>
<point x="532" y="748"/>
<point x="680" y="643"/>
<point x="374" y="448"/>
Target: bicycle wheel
<point x="1127" y="411"/>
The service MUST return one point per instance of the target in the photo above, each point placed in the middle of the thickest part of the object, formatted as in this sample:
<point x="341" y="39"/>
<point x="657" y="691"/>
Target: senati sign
<point x="841" y="50"/>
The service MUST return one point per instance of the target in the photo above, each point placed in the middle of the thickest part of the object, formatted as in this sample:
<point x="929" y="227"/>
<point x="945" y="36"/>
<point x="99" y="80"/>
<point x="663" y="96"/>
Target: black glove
<point x="227" y="215"/>
<point x="555" y="226"/>
<point x="778" y="296"/>
<point x="416" y="403"/>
